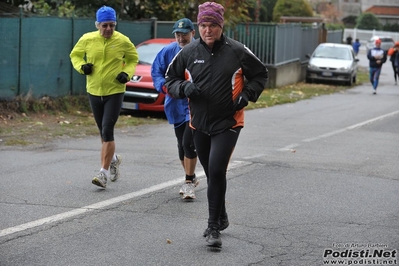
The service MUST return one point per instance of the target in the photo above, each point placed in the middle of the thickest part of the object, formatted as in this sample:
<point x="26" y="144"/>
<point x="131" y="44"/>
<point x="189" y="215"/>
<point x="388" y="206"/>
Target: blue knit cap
<point x="106" y="13"/>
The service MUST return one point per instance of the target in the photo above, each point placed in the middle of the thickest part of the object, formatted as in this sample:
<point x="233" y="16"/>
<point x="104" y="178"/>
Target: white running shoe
<point x="188" y="191"/>
<point x="100" y="180"/>
<point x="195" y="182"/>
<point x="114" y="168"/>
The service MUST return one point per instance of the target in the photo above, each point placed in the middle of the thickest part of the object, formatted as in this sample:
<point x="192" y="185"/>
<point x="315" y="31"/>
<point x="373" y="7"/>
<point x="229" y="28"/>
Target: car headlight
<point x="346" y="68"/>
<point x="312" y="66"/>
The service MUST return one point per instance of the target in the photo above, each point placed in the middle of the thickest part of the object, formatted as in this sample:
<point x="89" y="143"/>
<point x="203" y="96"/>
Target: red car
<point x="140" y="92"/>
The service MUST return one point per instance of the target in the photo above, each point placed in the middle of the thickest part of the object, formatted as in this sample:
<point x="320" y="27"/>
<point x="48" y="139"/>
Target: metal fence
<point x="34" y="57"/>
<point x="309" y="38"/>
<point x="334" y="36"/>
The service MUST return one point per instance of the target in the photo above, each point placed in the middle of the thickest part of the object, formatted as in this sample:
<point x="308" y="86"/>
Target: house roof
<point x="384" y="10"/>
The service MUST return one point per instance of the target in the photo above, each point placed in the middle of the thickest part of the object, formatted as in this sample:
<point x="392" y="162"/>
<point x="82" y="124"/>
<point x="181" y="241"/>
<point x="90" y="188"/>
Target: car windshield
<point x="333" y="52"/>
<point x="148" y="52"/>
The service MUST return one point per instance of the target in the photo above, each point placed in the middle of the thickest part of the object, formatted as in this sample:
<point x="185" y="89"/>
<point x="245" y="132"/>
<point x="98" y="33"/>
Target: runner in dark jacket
<point x="219" y="76"/>
<point x="394" y="58"/>
<point x="377" y="57"/>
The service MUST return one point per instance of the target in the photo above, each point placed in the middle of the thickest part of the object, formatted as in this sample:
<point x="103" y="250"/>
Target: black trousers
<point x="395" y="71"/>
<point x="214" y="153"/>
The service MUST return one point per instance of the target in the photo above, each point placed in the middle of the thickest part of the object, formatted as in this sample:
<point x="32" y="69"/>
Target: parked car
<point x="386" y="42"/>
<point x="140" y="92"/>
<point x="332" y="62"/>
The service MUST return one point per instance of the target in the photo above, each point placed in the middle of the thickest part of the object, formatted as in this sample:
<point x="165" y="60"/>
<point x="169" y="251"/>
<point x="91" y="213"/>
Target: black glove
<point x="191" y="91"/>
<point x="122" y="77"/>
<point x="241" y="101"/>
<point x="87" y="68"/>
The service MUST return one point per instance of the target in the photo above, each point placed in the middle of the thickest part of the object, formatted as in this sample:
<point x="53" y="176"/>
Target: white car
<point x="386" y="42"/>
<point x="332" y="62"/>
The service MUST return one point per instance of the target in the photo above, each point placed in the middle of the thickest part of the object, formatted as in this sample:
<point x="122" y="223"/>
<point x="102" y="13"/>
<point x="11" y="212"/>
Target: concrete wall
<point x="286" y="74"/>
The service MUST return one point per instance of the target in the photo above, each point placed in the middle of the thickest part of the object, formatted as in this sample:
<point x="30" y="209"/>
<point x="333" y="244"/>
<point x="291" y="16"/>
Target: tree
<point x="391" y="27"/>
<point x="296" y="8"/>
<point x="264" y="11"/>
<point x="349" y="21"/>
<point x="236" y="11"/>
<point x="368" y="21"/>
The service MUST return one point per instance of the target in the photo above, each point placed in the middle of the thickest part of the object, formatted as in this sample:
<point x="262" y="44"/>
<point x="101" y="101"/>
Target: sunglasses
<point x="111" y="25"/>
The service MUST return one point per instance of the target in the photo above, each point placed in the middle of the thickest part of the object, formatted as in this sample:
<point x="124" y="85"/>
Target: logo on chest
<point x="198" y="61"/>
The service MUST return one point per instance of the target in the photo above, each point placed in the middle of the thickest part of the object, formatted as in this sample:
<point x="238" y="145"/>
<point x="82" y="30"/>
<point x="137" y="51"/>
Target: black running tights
<point x="106" y="111"/>
<point x="185" y="143"/>
<point x="214" y="153"/>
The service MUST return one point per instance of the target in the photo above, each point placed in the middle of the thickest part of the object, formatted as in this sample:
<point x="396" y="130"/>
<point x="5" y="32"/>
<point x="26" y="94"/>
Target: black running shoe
<point x="223" y="222"/>
<point x="214" y="239"/>
<point x="207" y="232"/>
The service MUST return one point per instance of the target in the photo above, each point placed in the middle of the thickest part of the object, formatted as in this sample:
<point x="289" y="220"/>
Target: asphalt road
<point x="309" y="183"/>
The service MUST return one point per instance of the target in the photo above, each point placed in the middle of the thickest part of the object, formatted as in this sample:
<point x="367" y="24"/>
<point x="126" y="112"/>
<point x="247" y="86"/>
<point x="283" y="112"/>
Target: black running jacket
<point x="221" y="74"/>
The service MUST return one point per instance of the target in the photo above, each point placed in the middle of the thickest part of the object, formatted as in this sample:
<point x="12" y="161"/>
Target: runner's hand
<point x="87" y="68"/>
<point x="241" y="101"/>
<point x="122" y="77"/>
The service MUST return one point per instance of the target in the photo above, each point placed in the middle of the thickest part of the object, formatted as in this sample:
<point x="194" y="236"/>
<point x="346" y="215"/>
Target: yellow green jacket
<point x="109" y="58"/>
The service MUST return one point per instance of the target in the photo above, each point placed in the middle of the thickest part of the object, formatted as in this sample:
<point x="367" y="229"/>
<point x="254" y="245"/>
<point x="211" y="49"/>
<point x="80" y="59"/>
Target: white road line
<point x="335" y="132"/>
<point x="255" y="156"/>
<point x="289" y="147"/>
<point x="106" y="203"/>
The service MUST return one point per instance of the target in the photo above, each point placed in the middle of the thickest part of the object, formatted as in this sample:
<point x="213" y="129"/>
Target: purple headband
<point x="211" y="12"/>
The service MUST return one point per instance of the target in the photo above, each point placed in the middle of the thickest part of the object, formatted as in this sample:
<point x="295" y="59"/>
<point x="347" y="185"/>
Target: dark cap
<point x="183" y="25"/>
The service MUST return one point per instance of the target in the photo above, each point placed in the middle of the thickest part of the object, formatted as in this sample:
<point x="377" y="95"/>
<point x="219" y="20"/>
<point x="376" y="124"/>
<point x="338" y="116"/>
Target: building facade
<point x="387" y="11"/>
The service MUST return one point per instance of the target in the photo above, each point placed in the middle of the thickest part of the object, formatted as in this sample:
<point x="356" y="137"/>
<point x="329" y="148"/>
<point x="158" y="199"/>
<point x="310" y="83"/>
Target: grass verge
<point x="26" y="122"/>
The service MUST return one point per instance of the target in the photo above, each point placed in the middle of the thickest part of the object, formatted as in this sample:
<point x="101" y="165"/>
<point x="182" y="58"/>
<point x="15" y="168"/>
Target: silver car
<point x="332" y="62"/>
<point x="386" y="42"/>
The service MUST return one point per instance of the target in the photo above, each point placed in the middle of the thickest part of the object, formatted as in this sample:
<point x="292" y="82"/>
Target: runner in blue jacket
<point x="176" y="110"/>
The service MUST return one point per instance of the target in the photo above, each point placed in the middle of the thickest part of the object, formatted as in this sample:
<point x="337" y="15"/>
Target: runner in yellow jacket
<point x="109" y="56"/>
<point x="108" y="59"/>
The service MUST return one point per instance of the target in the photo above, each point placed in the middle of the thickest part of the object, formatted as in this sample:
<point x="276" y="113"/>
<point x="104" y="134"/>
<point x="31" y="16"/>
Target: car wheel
<point x="354" y="79"/>
<point x="308" y="80"/>
<point x="350" y="82"/>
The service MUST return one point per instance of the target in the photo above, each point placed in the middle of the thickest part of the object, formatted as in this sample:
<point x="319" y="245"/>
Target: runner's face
<point x="210" y="32"/>
<point x="184" y="38"/>
<point x="107" y="28"/>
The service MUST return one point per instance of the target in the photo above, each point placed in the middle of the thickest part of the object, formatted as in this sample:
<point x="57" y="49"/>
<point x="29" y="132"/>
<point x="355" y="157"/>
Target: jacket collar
<point x="217" y="45"/>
